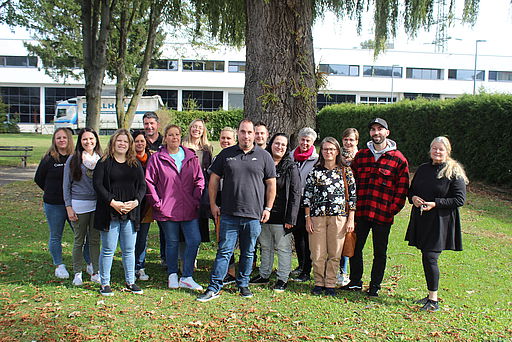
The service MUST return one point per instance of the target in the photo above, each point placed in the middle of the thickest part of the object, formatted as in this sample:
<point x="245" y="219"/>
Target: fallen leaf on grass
<point x="196" y="323"/>
<point x="470" y="291"/>
<point x="75" y="314"/>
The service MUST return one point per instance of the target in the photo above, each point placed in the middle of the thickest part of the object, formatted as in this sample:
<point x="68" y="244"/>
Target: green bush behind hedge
<point x="479" y="128"/>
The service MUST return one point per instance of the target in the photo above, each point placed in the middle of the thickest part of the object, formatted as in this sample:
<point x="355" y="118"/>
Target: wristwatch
<point x="267" y="209"/>
<point x="307" y="215"/>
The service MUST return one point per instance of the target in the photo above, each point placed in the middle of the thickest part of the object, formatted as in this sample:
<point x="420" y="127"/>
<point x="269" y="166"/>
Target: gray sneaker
<point x="207" y="296"/>
<point x="245" y="292"/>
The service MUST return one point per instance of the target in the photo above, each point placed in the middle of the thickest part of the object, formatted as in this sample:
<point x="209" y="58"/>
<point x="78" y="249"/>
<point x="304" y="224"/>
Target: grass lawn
<point x="475" y="291"/>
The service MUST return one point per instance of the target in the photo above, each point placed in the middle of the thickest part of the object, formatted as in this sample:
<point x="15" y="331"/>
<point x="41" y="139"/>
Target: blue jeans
<point x="124" y="231"/>
<point x="190" y="230"/>
<point x="344" y="264"/>
<point x="56" y="215"/>
<point x="246" y="230"/>
<point x="140" y="246"/>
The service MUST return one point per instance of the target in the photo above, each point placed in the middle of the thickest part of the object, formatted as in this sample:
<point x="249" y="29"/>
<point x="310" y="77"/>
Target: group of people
<point x="258" y="192"/>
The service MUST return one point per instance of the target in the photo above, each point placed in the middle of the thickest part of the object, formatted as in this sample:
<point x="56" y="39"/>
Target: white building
<point x="216" y="79"/>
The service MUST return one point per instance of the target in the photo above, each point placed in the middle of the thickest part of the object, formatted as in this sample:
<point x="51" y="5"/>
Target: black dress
<point x="439" y="228"/>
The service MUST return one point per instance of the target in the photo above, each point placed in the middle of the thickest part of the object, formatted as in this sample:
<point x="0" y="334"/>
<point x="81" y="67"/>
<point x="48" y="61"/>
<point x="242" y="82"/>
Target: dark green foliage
<point x="215" y="121"/>
<point x="479" y="128"/>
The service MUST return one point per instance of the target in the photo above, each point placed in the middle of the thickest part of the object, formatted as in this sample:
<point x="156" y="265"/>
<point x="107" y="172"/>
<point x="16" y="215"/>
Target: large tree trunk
<point x="96" y="17"/>
<point x="280" y="83"/>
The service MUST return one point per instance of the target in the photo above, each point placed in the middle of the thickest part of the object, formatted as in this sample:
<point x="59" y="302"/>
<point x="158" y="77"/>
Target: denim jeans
<point x="246" y="230"/>
<point x="140" y="246"/>
<point x="272" y="238"/>
<point x="123" y="231"/>
<point x="344" y="264"/>
<point x="56" y="215"/>
<point x="190" y="230"/>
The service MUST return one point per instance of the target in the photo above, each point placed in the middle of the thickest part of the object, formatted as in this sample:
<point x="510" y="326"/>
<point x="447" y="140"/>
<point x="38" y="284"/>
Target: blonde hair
<point x="53" y="151"/>
<point x="131" y="158"/>
<point x="166" y="130"/>
<point x="229" y="129"/>
<point x="204" y="144"/>
<point x="452" y="168"/>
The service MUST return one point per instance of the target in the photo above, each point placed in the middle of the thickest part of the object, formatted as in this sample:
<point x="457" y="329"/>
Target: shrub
<point x="479" y="128"/>
<point x="8" y="124"/>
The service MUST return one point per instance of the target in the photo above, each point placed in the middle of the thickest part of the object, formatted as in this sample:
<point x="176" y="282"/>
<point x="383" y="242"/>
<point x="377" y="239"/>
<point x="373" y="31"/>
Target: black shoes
<point x="133" y="288"/>
<point x="280" y="286"/>
<point x="317" y="290"/>
<point x="431" y="306"/>
<point x="207" y="296"/>
<point x="353" y="286"/>
<point x="303" y="277"/>
<point x="373" y="292"/>
<point x="229" y="279"/>
<point x="245" y="292"/>
<point x="258" y="280"/>
<point x="106" y="291"/>
<point x="421" y="301"/>
<point x="296" y="272"/>
<point x="328" y="291"/>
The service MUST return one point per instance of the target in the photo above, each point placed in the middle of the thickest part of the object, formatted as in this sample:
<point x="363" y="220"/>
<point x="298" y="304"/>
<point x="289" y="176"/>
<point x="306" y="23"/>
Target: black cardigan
<point x="101" y="181"/>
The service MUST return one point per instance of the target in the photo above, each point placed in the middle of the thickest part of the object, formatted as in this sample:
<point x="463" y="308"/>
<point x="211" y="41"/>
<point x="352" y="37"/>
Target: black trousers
<point x="301" y="237"/>
<point x="380" y="237"/>
<point x="431" y="269"/>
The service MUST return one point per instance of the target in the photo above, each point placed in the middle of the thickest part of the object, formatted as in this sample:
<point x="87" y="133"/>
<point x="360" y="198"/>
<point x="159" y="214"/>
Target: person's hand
<point x="71" y="214"/>
<point x="118" y="206"/>
<point x="129" y="206"/>
<point x="349" y="225"/>
<point x="309" y="225"/>
<point x="417" y="201"/>
<point x="265" y="216"/>
<point x="427" y="206"/>
<point x="288" y="226"/>
<point x="215" y="210"/>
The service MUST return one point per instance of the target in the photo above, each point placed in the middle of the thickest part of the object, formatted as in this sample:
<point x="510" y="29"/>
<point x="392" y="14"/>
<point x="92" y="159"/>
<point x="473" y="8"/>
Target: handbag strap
<point x="346" y="187"/>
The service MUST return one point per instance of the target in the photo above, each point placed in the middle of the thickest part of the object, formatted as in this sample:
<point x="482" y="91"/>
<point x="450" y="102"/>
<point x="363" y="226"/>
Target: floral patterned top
<point x="325" y="191"/>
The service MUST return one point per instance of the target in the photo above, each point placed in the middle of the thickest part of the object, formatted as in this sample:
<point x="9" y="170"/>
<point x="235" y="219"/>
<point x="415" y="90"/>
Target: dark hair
<point x="150" y="115"/>
<point x="260" y="123"/>
<point x="331" y="140"/>
<point x="271" y="141"/>
<point x="76" y="161"/>
<point x="135" y="134"/>
<point x="244" y="120"/>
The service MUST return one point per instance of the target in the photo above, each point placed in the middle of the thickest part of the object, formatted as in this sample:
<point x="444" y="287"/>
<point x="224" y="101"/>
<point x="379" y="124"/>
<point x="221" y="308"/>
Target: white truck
<point x="71" y="113"/>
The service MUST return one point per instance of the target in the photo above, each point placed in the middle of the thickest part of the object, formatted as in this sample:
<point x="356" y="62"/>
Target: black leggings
<point x="431" y="269"/>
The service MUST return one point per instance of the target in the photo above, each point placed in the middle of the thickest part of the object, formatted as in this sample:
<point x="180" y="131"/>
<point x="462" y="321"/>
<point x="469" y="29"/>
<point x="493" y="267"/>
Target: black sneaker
<point x="328" y="291"/>
<point x="258" y="280"/>
<point x="303" y="277"/>
<point x="373" y="292"/>
<point x="245" y="292"/>
<point x="317" y="290"/>
<point x="431" y="306"/>
<point x="421" y="301"/>
<point x="106" y="291"/>
<point x="353" y="286"/>
<point x="280" y="286"/>
<point x="133" y="288"/>
<point x="229" y="279"/>
<point x="296" y="272"/>
<point x="207" y="296"/>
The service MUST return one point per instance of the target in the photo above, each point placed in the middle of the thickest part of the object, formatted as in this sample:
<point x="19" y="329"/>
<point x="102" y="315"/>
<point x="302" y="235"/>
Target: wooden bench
<point x="24" y="152"/>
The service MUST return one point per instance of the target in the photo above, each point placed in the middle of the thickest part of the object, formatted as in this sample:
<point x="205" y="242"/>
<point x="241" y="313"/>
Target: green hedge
<point x="479" y="128"/>
<point x="215" y="121"/>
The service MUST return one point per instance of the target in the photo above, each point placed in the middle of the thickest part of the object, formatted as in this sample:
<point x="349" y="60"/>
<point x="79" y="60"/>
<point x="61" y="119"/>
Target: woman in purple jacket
<point x="175" y="183"/>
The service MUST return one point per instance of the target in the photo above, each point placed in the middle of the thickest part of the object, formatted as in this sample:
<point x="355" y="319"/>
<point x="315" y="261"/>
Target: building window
<point x="22" y="102"/>
<point x="202" y="100"/>
<point x="412" y="96"/>
<point x="169" y="97"/>
<point x="465" y="74"/>
<point x="424" y="73"/>
<point x="192" y="65"/>
<point x="382" y="71"/>
<point x="164" y="64"/>
<point x="340" y="69"/>
<point x="373" y="100"/>
<point x="236" y="66"/>
<point x="500" y="76"/>
<point x="235" y="101"/>
<point x="18" y="61"/>
<point x="323" y="100"/>
<point x="54" y="95"/>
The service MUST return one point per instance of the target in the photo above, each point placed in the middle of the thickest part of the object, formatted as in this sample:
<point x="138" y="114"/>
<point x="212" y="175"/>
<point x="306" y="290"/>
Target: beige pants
<point x="326" y="244"/>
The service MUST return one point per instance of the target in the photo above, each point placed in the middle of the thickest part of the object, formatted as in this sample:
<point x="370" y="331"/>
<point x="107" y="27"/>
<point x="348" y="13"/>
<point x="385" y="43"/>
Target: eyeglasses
<point x="329" y="149"/>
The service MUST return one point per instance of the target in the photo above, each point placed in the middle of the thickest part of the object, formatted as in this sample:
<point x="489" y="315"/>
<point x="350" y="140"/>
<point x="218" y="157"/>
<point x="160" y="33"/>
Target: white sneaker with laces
<point x="189" y="283"/>
<point x="342" y="279"/>
<point x="89" y="269"/>
<point x="78" y="279"/>
<point x="173" y="281"/>
<point x="96" y="278"/>
<point x="61" y="272"/>
<point x="142" y="275"/>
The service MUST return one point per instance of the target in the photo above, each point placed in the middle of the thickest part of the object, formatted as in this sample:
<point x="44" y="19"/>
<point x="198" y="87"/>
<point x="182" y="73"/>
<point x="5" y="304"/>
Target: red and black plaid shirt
<point x="381" y="185"/>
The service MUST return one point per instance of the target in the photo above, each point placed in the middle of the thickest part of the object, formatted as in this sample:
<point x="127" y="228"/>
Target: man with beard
<point x="382" y="181"/>
<point x="153" y="137"/>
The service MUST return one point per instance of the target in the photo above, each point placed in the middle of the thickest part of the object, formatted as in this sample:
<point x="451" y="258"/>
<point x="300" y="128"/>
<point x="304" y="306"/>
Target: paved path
<point x="13" y="174"/>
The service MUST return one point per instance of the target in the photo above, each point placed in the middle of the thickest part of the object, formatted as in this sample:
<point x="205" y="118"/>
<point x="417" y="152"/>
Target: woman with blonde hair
<point x="120" y="185"/>
<point x="49" y="176"/>
<point x="437" y="191"/>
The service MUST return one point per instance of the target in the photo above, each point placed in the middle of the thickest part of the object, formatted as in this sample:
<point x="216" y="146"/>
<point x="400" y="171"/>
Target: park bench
<point x="16" y="152"/>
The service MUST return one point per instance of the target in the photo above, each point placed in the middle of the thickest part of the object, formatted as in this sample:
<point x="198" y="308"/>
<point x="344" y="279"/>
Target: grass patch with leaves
<point x="475" y="291"/>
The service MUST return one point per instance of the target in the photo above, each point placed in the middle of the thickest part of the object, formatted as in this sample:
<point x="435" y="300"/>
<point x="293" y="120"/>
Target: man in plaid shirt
<point x="382" y="181"/>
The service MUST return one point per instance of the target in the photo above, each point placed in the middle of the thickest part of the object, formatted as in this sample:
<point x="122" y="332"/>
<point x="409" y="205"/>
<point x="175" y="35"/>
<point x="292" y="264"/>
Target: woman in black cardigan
<point x="437" y="191"/>
<point x="120" y="186"/>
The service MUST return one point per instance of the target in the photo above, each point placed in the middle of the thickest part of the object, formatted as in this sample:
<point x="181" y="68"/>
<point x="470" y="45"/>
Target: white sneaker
<point x="89" y="269"/>
<point x="61" y="272"/>
<point x="173" y="281"/>
<point x="78" y="279"/>
<point x="96" y="278"/>
<point x="189" y="283"/>
<point x="342" y="279"/>
<point x="142" y="275"/>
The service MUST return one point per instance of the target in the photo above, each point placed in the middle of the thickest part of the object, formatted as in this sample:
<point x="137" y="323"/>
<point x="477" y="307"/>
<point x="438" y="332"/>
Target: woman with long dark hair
<point x="80" y="200"/>
<point x="276" y="232"/>
<point x="48" y="177"/>
<point x="119" y="182"/>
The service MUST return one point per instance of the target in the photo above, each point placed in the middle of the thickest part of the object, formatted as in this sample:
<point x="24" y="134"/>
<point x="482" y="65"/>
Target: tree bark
<point x="280" y="79"/>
